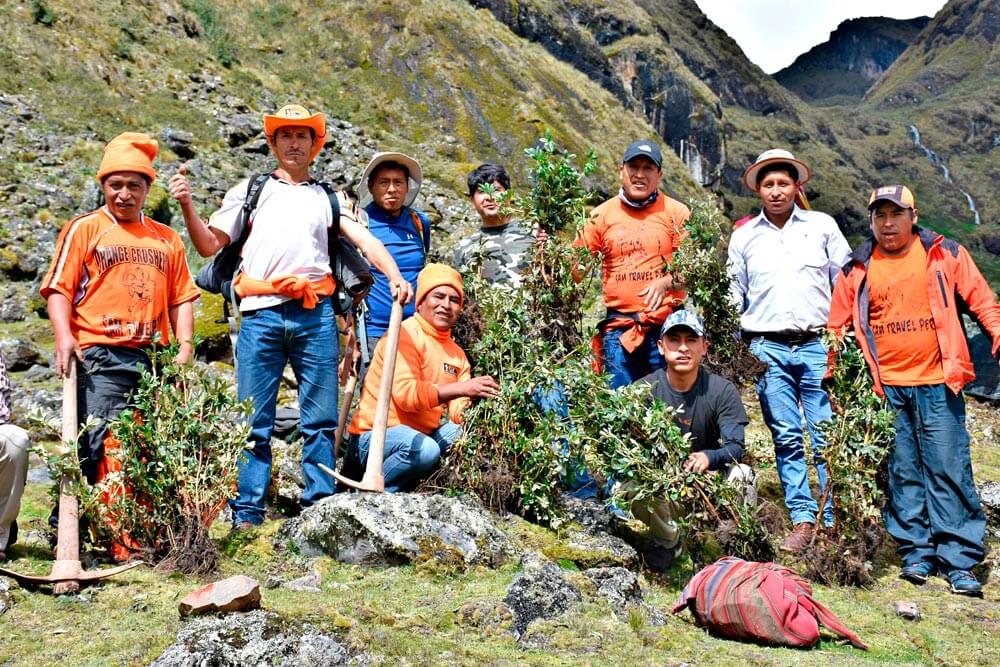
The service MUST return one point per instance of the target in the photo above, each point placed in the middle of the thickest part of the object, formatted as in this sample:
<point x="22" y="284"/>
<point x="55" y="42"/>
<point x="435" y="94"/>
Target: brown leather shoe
<point x="799" y="538"/>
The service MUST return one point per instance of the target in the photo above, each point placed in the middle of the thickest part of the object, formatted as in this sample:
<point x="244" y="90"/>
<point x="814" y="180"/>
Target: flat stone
<point x="238" y="593"/>
<point x="596" y="549"/>
<point x="309" y="583"/>
<point x="908" y="610"/>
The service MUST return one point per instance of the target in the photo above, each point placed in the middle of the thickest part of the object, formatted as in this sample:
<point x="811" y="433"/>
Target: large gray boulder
<point x="396" y="528"/>
<point x="256" y="638"/>
<point x="539" y="591"/>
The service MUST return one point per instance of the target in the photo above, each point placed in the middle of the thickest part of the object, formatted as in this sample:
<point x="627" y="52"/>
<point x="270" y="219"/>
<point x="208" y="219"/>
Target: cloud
<point x="772" y="33"/>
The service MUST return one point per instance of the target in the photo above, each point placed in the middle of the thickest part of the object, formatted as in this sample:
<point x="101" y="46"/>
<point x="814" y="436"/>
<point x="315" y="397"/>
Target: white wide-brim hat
<point x="416" y="176"/>
<point x="770" y="157"/>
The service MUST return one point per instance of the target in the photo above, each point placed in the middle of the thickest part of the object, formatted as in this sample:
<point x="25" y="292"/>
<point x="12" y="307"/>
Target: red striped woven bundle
<point x="762" y="602"/>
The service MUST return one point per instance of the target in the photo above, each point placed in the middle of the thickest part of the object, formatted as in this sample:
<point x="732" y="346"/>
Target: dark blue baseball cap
<point x="643" y="148"/>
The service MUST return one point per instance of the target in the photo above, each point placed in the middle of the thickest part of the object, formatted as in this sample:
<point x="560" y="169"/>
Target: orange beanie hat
<point x="129" y="151"/>
<point x="435" y="275"/>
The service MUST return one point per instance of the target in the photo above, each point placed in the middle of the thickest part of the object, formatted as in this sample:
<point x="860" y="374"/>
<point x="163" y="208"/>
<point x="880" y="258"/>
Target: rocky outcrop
<point x="857" y="53"/>
<point x="381" y="529"/>
<point x="256" y="638"/>
<point x="539" y="591"/>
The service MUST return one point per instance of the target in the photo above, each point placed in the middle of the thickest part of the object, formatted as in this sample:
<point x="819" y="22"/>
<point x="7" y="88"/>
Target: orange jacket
<point x="425" y="359"/>
<point x="294" y="287"/>
<point x="954" y="286"/>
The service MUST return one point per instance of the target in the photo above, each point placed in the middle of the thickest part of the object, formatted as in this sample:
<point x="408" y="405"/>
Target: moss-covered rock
<point x="212" y="334"/>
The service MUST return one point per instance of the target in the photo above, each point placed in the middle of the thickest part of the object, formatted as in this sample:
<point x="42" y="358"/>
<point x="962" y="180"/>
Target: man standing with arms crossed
<point x="903" y="292"/>
<point x="284" y="284"/>
<point x="783" y="264"/>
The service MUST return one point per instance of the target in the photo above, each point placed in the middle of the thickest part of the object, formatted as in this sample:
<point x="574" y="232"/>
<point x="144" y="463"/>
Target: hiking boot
<point x="799" y="538"/>
<point x="242" y="527"/>
<point x="918" y="573"/>
<point x="964" y="582"/>
<point x="658" y="558"/>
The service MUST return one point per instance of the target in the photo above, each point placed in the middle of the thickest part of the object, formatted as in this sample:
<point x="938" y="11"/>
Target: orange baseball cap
<point x="297" y="115"/>
<point x="129" y="151"/>
<point x="897" y="194"/>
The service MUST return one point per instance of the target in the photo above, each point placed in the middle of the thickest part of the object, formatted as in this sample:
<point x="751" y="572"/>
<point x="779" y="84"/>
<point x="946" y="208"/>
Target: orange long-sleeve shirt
<point x="425" y="359"/>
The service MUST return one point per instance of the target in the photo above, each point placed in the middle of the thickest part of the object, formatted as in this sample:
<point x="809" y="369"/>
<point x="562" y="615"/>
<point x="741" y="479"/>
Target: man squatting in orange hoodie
<point x="432" y="373"/>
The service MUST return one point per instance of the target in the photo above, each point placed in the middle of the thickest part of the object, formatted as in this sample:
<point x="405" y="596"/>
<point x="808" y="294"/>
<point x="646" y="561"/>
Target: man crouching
<point x="710" y="409"/>
<point x="432" y="374"/>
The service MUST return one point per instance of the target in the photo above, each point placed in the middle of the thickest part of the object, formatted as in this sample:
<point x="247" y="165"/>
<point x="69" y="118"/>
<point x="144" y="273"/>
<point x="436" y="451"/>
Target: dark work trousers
<point x="104" y="381"/>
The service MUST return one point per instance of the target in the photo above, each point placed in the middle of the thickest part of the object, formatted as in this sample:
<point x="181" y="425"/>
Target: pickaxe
<point x="373" y="479"/>
<point x="67" y="572"/>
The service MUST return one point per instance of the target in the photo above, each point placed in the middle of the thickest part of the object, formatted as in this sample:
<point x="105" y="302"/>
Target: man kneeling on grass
<point x="432" y="373"/>
<point x="710" y="409"/>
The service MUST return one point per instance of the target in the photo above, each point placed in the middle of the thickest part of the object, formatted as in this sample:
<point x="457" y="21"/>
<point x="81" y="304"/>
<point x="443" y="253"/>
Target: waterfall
<point x="936" y="160"/>
<point x="931" y="156"/>
<point x="691" y="157"/>
<point x="972" y="206"/>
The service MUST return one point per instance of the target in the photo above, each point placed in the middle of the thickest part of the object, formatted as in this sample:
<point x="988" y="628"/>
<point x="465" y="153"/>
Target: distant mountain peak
<point x="857" y="53"/>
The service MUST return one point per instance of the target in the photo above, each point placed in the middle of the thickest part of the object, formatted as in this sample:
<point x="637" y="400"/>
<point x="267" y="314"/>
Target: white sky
<point x="772" y="33"/>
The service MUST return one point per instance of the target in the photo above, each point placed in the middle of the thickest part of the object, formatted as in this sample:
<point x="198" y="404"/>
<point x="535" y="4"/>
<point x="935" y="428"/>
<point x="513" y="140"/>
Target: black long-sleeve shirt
<point x="712" y="413"/>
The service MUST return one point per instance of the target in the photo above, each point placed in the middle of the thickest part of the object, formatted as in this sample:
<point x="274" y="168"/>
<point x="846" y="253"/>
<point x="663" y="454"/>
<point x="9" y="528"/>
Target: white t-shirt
<point x="288" y="234"/>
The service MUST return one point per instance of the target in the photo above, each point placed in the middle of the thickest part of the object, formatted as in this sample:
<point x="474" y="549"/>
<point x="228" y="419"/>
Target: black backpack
<point x="350" y="270"/>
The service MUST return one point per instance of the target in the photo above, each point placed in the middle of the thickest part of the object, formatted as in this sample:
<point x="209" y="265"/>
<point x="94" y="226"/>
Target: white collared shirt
<point x="782" y="279"/>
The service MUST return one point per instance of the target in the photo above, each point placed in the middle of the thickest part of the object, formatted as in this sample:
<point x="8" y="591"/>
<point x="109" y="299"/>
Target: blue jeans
<point x="933" y="510"/>
<point x="270" y="338"/>
<point x="409" y="454"/>
<point x="575" y="476"/>
<point x="793" y="377"/>
<point x="627" y="367"/>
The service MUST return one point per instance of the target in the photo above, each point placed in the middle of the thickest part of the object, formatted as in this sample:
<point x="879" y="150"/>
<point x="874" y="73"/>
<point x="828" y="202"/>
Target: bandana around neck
<point x="640" y="204"/>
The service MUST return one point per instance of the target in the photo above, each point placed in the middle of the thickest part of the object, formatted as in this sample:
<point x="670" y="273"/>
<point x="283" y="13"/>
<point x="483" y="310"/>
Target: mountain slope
<point x="453" y="83"/>
<point x="842" y="68"/>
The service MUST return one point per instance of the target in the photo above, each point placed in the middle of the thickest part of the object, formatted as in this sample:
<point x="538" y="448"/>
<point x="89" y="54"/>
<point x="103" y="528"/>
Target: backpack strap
<point x="423" y="230"/>
<point x="334" y="235"/>
<point x="254" y="188"/>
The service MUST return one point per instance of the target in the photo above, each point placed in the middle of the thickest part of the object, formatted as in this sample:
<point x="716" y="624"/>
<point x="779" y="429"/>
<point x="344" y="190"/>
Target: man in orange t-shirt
<point x="432" y="378"/>
<point x="903" y="292"/>
<point x="635" y="234"/>
<point x="118" y="282"/>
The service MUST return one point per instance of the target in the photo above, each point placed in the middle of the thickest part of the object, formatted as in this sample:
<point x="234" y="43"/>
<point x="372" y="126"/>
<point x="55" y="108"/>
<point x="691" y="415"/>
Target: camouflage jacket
<point x="499" y="254"/>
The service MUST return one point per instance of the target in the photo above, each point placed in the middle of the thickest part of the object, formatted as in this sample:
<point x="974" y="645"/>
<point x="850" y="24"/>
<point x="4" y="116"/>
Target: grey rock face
<point x="395" y="528"/>
<point x="617" y="585"/>
<point x="540" y="591"/>
<point x="989" y="496"/>
<point x="20" y="355"/>
<point x="257" y="638"/>
<point x="179" y="141"/>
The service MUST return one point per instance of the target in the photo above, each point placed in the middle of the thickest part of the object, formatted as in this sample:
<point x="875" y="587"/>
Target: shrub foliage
<point x="178" y="448"/>
<point x="518" y="456"/>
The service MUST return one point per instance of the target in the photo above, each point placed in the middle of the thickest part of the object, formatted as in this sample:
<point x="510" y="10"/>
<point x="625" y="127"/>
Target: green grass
<point x="408" y="615"/>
